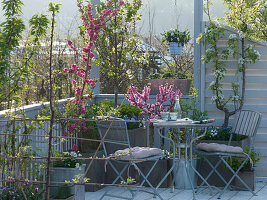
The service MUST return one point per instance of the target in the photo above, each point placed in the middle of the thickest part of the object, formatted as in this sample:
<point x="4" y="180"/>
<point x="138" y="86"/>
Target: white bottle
<point x="177" y="107"/>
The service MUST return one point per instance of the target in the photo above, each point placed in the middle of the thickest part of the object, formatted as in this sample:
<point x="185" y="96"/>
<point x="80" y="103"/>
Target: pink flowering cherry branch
<point x="93" y="25"/>
<point x="167" y="94"/>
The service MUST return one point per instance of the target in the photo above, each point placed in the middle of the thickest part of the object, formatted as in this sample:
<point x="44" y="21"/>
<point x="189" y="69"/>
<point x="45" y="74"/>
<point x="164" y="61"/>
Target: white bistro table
<point x="189" y="128"/>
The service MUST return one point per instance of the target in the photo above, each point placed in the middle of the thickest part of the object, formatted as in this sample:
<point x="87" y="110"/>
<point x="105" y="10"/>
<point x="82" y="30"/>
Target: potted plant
<point x="220" y="135"/>
<point x="179" y="80"/>
<point x="67" y="168"/>
<point x="176" y="40"/>
<point x="247" y="172"/>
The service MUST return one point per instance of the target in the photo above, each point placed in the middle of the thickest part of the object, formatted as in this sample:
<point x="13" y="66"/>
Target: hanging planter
<point x="175" y="48"/>
<point x="176" y="40"/>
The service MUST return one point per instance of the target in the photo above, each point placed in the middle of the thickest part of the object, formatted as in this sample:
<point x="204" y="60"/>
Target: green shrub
<point x="129" y="111"/>
<point x="222" y="133"/>
<point x="235" y="162"/>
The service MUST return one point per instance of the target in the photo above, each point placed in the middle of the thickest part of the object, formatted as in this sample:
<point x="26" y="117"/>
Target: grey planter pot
<point x="181" y="180"/>
<point x="60" y="174"/>
<point x="248" y="177"/>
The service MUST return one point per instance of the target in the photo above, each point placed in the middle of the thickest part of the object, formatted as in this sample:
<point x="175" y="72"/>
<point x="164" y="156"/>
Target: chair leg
<point x="145" y="179"/>
<point x="202" y="178"/>
<point x="214" y="169"/>
<point x="188" y="176"/>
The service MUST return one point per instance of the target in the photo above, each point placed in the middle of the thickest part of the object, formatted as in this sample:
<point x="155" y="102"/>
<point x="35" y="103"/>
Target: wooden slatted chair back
<point x="247" y="123"/>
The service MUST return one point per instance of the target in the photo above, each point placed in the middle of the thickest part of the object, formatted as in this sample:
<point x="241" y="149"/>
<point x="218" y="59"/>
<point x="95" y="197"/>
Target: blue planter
<point x="175" y="48"/>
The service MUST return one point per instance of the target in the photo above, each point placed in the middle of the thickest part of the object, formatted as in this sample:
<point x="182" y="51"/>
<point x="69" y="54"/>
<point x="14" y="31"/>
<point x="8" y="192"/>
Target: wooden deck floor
<point x="203" y="194"/>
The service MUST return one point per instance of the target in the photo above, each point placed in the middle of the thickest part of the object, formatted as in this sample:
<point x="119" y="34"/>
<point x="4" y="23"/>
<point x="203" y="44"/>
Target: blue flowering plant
<point x="174" y="35"/>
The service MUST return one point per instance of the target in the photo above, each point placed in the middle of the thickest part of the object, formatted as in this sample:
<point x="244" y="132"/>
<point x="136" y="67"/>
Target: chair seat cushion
<point x="138" y="152"/>
<point x="214" y="147"/>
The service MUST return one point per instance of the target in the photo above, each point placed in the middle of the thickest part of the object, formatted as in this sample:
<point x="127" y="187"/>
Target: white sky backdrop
<point x="167" y="14"/>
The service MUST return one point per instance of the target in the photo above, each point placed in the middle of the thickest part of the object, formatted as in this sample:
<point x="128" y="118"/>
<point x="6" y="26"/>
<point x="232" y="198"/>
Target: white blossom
<point x="213" y="132"/>
<point x="221" y="96"/>
<point x="257" y="53"/>
<point x="77" y="165"/>
<point x="198" y="40"/>
<point x="128" y="56"/>
<point x="218" y="73"/>
<point x="231" y="51"/>
<point x="211" y="84"/>
<point x="241" y="61"/>
<point x="249" y="46"/>
<point x="214" y="98"/>
<point x="242" y="35"/>
<point x="209" y="50"/>
<point x="73" y="154"/>
<point x="236" y="98"/>
<point x="232" y="36"/>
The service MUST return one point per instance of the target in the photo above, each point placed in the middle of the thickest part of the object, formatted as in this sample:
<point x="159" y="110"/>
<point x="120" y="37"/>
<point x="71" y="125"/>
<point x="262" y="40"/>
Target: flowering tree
<point x="167" y="94"/>
<point x="92" y="26"/>
<point x="117" y="48"/>
<point x="217" y="56"/>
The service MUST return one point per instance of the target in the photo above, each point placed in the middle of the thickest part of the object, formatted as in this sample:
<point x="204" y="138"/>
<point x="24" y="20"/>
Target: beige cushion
<point x="138" y="152"/>
<point x="214" y="147"/>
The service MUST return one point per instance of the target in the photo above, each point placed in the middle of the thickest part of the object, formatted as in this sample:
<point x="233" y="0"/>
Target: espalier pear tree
<point x="241" y="17"/>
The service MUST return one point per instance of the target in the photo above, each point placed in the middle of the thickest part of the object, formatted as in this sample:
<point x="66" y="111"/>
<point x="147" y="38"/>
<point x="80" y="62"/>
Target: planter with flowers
<point x="176" y="40"/>
<point x="67" y="168"/>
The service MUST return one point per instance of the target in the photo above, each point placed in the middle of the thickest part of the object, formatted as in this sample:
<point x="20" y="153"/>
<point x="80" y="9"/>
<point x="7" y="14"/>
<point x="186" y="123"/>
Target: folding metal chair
<point x="246" y="123"/>
<point x="114" y="134"/>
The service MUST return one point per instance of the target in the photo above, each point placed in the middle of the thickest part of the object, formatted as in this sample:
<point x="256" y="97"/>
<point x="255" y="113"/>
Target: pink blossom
<point x="121" y="2"/>
<point x="74" y="148"/>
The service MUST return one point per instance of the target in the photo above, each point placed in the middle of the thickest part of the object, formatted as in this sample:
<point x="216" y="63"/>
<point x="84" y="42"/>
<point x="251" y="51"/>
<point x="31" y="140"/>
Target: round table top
<point x="177" y="124"/>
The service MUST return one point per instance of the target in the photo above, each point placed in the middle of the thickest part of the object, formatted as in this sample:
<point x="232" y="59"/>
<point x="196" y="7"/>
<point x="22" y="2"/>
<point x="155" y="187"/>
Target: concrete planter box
<point x="155" y="177"/>
<point x="138" y="137"/>
<point x="182" y="84"/>
<point x="60" y="174"/>
<point x="248" y="177"/>
<point x="69" y="198"/>
<point x="96" y="172"/>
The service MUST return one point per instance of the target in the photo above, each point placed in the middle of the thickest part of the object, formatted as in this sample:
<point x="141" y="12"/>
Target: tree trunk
<point x="115" y="96"/>
<point x="226" y="119"/>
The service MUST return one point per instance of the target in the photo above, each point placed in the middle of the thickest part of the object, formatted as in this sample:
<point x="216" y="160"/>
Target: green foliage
<point x="129" y="111"/>
<point x="67" y="159"/>
<point x="218" y="56"/>
<point x="63" y="192"/>
<point x="117" y="48"/>
<point x="248" y="17"/>
<point x="170" y="75"/>
<point x="235" y="162"/>
<point x="190" y="108"/>
<point x="11" y="33"/>
<point x="13" y="191"/>
<point x="174" y="35"/>
<point x="38" y="26"/>
<point x="223" y="134"/>
<point x="155" y="76"/>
